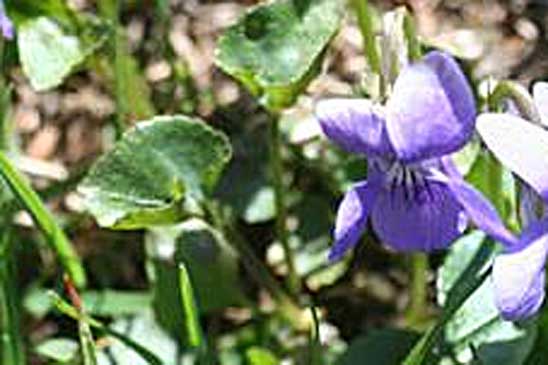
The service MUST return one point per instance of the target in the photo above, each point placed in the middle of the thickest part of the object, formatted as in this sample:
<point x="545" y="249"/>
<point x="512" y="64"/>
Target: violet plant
<point x="405" y="141"/>
<point x="521" y="146"/>
<point x="232" y="230"/>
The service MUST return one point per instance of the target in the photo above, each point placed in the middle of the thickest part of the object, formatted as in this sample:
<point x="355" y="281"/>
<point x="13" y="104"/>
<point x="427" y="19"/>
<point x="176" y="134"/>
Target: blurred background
<point x="168" y="58"/>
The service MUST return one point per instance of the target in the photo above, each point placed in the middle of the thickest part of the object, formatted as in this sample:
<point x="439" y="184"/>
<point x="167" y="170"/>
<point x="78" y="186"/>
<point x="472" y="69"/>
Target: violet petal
<point x="540" y="96"/>
<point x="519" y="145"/>
<point x="431" y="110"/>
<point x="423" y="218"/>
<point x="518" y="275"/>
<point x="480" y="211"/>
<point x="6" y="24"/>
<point x="352" y="216"/>
<point x="357" y="125"/>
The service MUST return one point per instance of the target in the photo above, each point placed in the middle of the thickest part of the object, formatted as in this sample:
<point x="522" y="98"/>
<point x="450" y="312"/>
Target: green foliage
<point x="62" y="350"/>
<point x="155" y="169"/>
<point x="145" y="331"/>
<point x="185" y="299"/>
<point x="276" y="49"/>
<point x="47" y="54"/>
<point x="212" y="267"/>
<point x="469" y="279"/>
<point x="260" y="356"/>
<point x="476" y="325"/>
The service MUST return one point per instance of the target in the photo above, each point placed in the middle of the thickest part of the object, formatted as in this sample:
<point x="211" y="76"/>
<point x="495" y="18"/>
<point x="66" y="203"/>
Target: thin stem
<point x="121" y="107"/>
<point x="416" y="312"/>
<point x="11" y="344"/>
<point x="365" y="17"/>
<point x="294" y="283"/>
<point x="519" y="95"/>
<point x="413" y="44"/>
<point x="44" y="220"/>
<point x="256" y="269"/>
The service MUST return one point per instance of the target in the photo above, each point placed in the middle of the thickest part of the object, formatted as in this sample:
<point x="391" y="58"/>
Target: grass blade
<point x="193" y="329"/>
<point x="44" y="220"/>
<point x="11" y="344"/>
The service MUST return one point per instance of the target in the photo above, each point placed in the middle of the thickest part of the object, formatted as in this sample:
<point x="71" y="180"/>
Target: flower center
<point x="407" y="179"/>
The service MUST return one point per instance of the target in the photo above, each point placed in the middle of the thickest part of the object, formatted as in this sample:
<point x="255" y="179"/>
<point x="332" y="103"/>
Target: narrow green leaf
<point x="44" y="220"/>
<point x="365" y="22"/>
<point x="193" y="329"/>
<point x="11" y="340"/>
<point x="155" y="172"/>
<point x="276" y="48"/>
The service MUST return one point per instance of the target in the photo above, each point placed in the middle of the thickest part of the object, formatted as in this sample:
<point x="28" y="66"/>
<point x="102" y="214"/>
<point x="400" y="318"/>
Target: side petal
<point x="352" y="216"/>
<point x="519" y="145"/>
<point x="540" y="96"/>
<point x="6" y="25"/>
<point x="518" y="275"/>
<point x="431" y="111"/>
<point x="421" y="218"/>
<point x="357" y="125"/>
<point x="479" y="210"/>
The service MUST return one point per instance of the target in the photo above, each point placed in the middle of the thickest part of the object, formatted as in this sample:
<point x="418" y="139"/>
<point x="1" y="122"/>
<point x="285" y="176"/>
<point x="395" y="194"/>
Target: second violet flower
<point x="430" y="114"/>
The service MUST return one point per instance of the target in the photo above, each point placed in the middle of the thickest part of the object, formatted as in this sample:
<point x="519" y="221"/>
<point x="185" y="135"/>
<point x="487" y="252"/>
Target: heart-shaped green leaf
<point x="47" y="54"/>
<point x="275" y="49"/>
<point x="155" y="168"/>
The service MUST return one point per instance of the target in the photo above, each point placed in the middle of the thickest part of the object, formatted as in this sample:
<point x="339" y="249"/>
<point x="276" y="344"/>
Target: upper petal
<point x="357" y="125"/>
<point x="352" y="216"/>
<point x="423" y="218"/>
<point x="431" y="111"/>
<point x="540" y="96"/>
<point x="479" y="210"/>
<point x="518" y="275"/>
<point x="519" y="145"/>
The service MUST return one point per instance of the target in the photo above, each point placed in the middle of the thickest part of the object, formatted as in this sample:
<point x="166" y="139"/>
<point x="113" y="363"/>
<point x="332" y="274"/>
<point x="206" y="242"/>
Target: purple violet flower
<point x="5" y="23"/>
<point x="518" y="273"/>
<point x="430" y="114"/>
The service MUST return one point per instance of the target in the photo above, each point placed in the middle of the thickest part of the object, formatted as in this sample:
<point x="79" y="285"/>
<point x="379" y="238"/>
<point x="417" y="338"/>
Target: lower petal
<point x="518" y="275"/>
<point x="352" y="216"/>
<point x="424" y="219"/>
<point x="479" y="210"/>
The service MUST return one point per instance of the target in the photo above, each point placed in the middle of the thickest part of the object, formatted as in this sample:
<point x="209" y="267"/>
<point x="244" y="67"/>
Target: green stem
<point x="518" y="94"/>
<point x="294" y="283"/>
<point x="121" y="107"/>
<point x="416" y="312"/>
<point x="413" y="44"/>
<point x="256" y="269"/>
<point x="365" y="17"/>
<point x="11" y="345"/>
<point x="44" y="220"/>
